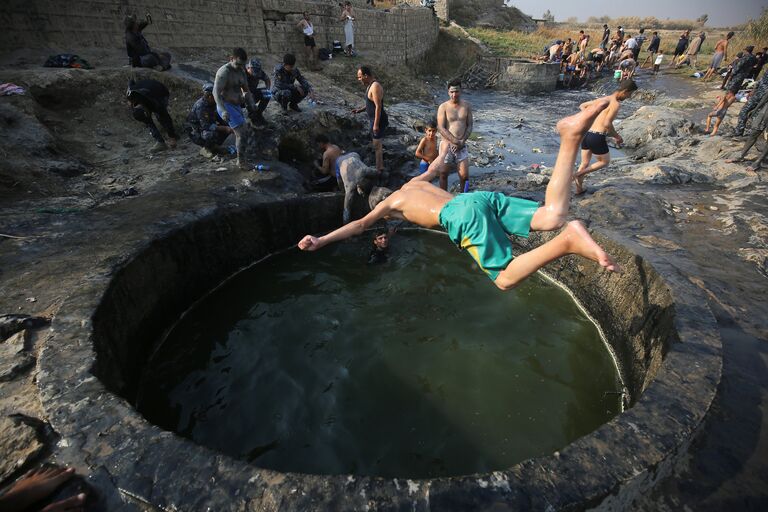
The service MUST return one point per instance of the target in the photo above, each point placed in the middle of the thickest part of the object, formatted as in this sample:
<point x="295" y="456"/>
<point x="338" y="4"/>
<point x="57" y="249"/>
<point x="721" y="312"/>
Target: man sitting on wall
<point x="140" y="54"/>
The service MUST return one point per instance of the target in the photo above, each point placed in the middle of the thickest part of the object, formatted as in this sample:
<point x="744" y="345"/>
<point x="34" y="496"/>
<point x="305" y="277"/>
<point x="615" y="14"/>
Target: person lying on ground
<point x="35" y="486"/>
<point x="148" y="97"/>
<point x="289" y="86"/>
<point x="230" y="90"/>
<point x="760" y="130"/>
<point x="481" y="222"/>
<point x="454" y="122"/>
<point x="594" y="142"/>
<point x="427" y="148"/>
<point x="206" y="127"/>
<point x="718" y="113"/>
<point x="140" y="54"/>
<point x="261" y="96"/>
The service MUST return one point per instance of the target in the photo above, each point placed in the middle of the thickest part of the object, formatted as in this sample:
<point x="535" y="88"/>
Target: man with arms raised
<point x="454" y="122"/>
<point x="374" y="107"/>
<point x="481" y="222"/>
<point x="594" y="142"/>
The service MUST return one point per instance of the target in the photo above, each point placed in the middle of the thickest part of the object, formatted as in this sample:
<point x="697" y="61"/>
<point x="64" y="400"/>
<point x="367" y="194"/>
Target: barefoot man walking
<point x="454" y="122"/>
<point x="594" y="142"/>
<point x="481" y="222"/>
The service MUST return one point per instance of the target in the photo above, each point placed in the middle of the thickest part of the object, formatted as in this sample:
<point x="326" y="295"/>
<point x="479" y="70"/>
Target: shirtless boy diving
<point x="594" y="142"/>
<point x="481" y="222"/>
<point x="454" y="122"/>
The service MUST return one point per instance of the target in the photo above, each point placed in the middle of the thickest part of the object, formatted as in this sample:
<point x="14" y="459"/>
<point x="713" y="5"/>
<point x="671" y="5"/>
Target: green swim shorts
<point x="480" y="222"/>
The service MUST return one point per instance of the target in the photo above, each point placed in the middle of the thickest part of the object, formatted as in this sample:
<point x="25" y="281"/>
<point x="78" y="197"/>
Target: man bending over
<point x="480" y="222"/>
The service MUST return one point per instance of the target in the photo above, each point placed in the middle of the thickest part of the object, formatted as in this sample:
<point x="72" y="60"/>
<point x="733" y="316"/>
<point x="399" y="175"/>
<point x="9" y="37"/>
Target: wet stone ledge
<point x="657" y="323"/>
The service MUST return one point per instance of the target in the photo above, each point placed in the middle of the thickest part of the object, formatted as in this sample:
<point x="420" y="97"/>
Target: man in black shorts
<point x="594" y="142"/>
<point x="374" y="108"/>
<point x="310" y="47"/>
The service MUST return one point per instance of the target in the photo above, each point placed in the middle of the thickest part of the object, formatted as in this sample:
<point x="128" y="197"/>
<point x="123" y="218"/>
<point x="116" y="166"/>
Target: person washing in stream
<point x="481" y="222"/>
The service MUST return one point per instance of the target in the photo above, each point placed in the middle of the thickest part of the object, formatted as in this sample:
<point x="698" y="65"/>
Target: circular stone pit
<point x="655" y="320"/>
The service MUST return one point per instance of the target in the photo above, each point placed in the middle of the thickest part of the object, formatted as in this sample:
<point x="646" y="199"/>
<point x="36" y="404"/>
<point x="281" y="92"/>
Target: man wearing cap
<point x="261" y="96"/>
<point x="230" y="88"/>
<point x="149" y="97"/>
<point x="741" y="70"/>
<point x="206" y="127"/>
<point x="289" y="86"/>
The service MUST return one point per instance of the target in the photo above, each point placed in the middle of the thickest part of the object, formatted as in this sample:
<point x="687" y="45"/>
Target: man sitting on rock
<point x="140" y="54"/>
<point x="206" y="127"/>
<point x="285" y="89"/>
<point x="261" y="96"/>
<point x="481" y="222"/>
<point x="149" y="97"/>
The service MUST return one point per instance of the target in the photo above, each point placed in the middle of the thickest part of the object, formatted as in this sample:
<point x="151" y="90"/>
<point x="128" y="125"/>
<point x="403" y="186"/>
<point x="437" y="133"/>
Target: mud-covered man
<point x="206" y="127"/>
<point x="454" y="122"/>
<point x="230" y="88"/>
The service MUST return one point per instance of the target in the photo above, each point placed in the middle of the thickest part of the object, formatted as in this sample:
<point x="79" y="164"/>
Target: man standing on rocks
<point x="481" y="222"/>
<point x="721" y="54"/>
<point x="149" y="97"/>
<point x="374" y="108"/>
<point x="455" y="123"/>
<point x="594" y="142"/>
<point x="206" y="128"/>
<point x="606" y="37"/>
<point x="229" y="89"/>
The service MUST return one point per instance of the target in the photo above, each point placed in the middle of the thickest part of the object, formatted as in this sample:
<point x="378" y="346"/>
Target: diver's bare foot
<point x="73" y="504"/>
<point x="576" y="126"/>
<point x="581" y="242"/>
<point x="33" y="487"/>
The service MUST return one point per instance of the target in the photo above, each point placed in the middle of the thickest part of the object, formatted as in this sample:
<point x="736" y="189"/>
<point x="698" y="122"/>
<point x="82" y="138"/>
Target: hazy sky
<point x="721" y="12"/>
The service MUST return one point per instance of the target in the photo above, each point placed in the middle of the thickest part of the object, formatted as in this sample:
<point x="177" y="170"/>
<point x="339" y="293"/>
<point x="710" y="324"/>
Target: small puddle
<point x="418" y="367"/>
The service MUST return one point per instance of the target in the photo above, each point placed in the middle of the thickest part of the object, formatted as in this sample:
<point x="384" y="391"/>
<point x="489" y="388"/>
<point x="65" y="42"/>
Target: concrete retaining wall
<point x="523" y="76"/>
<point x="259" y="26"/>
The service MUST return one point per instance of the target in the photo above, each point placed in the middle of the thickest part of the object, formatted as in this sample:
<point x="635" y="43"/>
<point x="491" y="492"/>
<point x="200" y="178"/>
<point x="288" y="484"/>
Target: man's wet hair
<point x="456" y="82"/>
<point x="366" y="70"/>
<point x="377" y="195"/>
<point x="239" y="53"/>
<point x="628" y="85"/>
<point x="380" y="229"/>
<point x="289" y="59"/>
<point x="322" y="139"/>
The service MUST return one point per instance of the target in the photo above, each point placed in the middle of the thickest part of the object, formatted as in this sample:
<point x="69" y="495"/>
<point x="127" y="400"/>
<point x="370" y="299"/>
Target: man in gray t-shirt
<point x="229" y="89"/>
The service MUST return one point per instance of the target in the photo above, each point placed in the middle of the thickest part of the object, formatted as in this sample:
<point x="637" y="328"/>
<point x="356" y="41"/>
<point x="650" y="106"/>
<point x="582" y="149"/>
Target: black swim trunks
<point x="309" y="41"/>
<point x="595" y="142"/>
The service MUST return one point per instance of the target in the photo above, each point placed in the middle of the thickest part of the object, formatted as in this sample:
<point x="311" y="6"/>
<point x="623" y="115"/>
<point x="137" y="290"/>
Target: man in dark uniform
<point x="285" y="88"/>
<point x="140" y="54"/>
<point x="742" y="68"/>
<point x="206" y="127"/>
<point x="261" y="96"/>
<point x="149" y="97"/>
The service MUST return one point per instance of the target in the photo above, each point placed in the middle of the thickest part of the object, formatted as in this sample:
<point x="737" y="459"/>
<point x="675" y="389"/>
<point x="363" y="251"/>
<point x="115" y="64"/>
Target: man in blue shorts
<point x="481" y="222"/>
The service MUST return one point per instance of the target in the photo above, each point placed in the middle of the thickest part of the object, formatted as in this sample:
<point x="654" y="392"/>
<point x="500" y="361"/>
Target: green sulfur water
<point x="418" y="367"/>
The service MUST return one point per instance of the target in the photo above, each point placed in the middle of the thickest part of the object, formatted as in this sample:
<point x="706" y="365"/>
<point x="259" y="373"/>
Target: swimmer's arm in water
<point x="442" y="128"/>
<point x="354" y="228"/>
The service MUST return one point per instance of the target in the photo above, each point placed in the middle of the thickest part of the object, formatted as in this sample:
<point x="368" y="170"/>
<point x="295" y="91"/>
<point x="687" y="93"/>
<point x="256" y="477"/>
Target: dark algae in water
<point x="417" y="367"/>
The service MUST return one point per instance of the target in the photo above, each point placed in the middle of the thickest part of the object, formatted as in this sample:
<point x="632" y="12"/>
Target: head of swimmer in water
<point x="431" y="129"/>
<point x="238" y="58"/>
<point x="626" y="89"/>
<point x="454" y="90"/>
<point x="381" y="239"/>
<point x="365" y="75"/>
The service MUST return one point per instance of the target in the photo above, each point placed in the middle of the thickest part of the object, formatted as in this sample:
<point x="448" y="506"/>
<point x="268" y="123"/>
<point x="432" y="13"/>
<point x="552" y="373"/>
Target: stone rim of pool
<point x="656" y="320"/>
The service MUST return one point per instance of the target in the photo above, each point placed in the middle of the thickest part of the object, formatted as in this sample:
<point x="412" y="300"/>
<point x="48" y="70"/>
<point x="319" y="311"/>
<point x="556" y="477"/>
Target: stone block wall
<point x="522" y="76"/>
<point x="260" y="26"/>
